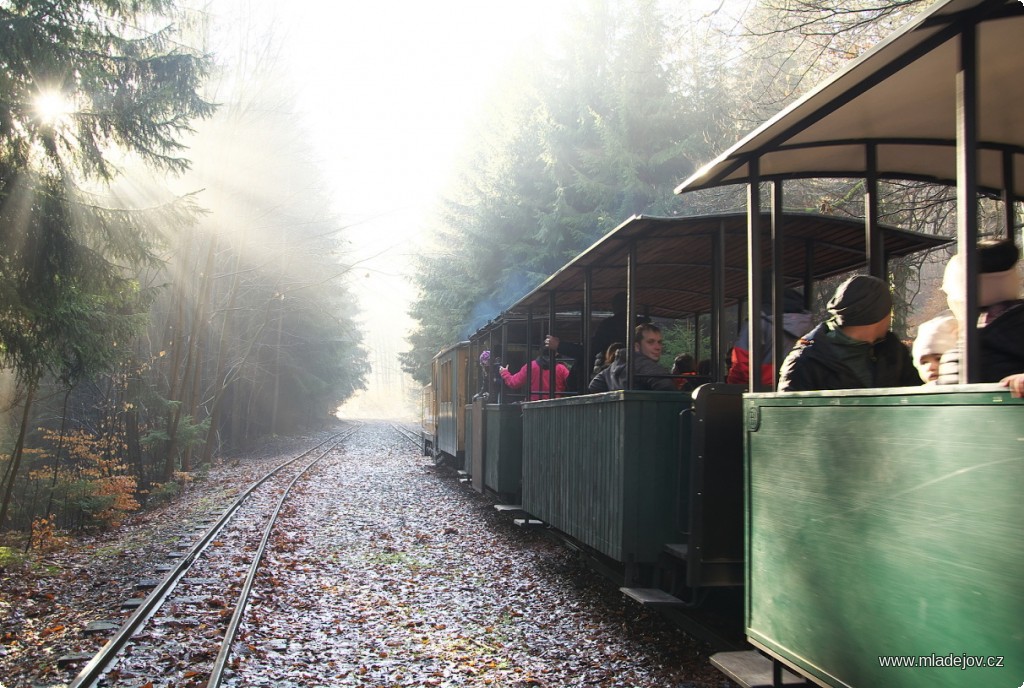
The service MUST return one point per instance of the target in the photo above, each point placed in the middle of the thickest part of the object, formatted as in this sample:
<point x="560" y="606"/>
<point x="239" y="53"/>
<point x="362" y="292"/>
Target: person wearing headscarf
<point x="934" y="338"/>
<point x="854" y="348"/>
<point x="1000" y="314"/>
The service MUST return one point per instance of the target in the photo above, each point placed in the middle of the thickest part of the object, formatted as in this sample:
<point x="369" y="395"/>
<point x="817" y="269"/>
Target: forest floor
<point x="391" y="574"/>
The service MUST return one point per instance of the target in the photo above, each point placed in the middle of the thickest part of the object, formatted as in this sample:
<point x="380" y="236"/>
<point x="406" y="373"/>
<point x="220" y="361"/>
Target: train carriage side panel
<point x="887" y="523"/>
<point x="603" y="469"/>
<point x="503" y="469"/>
<point x="449" y="370"/>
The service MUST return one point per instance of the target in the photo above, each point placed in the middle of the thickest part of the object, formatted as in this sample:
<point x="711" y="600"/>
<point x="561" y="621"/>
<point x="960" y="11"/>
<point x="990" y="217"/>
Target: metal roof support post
<point x="778" y="283"/>
<point x="588" y="307"/>
<point x="697" y="338"/>
<point x="630" y="312"/>
<point x="754" y="273"/>
<point x="967" y="196"/>
<point x="551" y="358"/>
<point x="872" y="236"/>
<point x="529" y="353"/>
<point x="808" y="274"/>
<point x="718" y="346"/>
<point x="504" y="359"/>
<point x="1009" y="200"/>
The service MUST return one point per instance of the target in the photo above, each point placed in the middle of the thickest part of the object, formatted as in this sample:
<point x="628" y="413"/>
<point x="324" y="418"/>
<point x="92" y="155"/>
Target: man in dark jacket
<point x="853" y="349"/>
<point x="647" y="373"/>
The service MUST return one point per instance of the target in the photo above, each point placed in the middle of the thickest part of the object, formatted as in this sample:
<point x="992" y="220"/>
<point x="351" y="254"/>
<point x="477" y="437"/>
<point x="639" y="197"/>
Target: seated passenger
<point x="1000" y="314"/>
<point x="647" y="373"/>
<point x="854" y="348"/>
<point x="539" y="374"/>
<point x="934" y="338"/>
<point x="684" y="365"/>
<point x="605" y="358"/>
<point x="795" y="322"/>
<point x="613" y="328"/>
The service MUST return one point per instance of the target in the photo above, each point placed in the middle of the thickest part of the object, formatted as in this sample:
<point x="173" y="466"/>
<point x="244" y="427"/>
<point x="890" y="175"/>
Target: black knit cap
<point x="860" y="300"/>
<point x="997" y="255"/>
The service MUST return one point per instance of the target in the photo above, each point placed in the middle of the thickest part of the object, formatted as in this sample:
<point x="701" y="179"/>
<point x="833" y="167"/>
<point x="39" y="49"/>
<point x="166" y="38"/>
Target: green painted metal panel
<point x="504" y="466"/>
<point x="887" y="525"/>
<point x="604" y="469"/>
<point x="467" y="423"/>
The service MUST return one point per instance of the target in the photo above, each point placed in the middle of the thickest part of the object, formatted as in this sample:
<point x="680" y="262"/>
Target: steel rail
<point x="406" y="433"/>
<point x="220" y="664"/>
<point x="94" y="670"/>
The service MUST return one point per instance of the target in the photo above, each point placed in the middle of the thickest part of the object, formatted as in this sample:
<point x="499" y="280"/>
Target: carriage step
<point x="653" y="597"/>
<point x="508" y="507"/>
<point x="678" y="551"/>
<point x="527" y="522"/>
<point x="751" y="669"/>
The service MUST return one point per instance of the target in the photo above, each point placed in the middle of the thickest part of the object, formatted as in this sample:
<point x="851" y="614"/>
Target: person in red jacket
<point x="540" y="373"/>
<point x="795" y="323"/>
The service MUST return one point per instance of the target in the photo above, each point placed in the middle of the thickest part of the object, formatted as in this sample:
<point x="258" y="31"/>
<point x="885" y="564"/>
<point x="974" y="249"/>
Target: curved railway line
<point x="220" y="566"/>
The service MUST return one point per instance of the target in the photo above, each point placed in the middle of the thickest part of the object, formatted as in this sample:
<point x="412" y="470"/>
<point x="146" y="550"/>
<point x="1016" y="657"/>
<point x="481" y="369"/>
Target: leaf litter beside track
<point x="385" y="573"/>
<point x="49" y="598"/>
<point x="405" y="579"/>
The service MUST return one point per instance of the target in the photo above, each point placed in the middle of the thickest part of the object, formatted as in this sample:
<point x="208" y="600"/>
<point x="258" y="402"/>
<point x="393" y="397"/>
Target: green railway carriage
<point x="882" y="527"/>
<point x="635" y="477"/>
<point x="886" y="523"/>
<point x="493" y="415"/>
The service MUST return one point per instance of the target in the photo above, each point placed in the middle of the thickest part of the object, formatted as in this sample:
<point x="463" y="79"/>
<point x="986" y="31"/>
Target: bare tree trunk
<point x="60" y="448"/>
<point x="193" y="367"/>
<point x="18" y="450"/>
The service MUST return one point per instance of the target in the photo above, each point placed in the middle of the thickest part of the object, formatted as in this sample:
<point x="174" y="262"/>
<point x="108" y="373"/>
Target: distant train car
<point x="449" y="381"/>
<point x="494" y="429"/>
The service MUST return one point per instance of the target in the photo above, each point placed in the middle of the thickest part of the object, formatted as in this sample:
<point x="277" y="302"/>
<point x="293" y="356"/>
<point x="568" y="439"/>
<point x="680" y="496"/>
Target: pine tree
<point x="82" y="85"/>
<point x="583" y="140"/>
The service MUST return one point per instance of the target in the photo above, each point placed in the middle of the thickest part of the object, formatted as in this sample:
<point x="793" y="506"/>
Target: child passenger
<point x="934" y="338"/>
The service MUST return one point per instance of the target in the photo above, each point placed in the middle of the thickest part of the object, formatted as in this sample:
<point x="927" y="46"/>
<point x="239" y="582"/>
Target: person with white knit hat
<point x="934" y="338"/>
<point x="1000" y="314"/>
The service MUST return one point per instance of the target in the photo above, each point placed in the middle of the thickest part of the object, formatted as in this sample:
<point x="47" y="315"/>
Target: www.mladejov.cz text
<point x="952" y="660"/>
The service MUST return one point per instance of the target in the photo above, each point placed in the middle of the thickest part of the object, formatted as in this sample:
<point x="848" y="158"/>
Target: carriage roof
<point x="901" y="98"/>
<point x="675" y="260"/>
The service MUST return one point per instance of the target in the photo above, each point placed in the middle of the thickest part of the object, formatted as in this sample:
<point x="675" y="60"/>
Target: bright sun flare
<point x="52" y="107"/>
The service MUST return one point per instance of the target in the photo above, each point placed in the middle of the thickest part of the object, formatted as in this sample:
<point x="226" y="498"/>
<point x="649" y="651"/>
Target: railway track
<point x="197" y="607"/>
<point x="408" y="433"/>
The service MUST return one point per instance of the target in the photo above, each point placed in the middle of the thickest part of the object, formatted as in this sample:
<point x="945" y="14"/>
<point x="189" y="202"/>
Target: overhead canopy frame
<point x="938" y="101"/>
<point x="900" y="98"/>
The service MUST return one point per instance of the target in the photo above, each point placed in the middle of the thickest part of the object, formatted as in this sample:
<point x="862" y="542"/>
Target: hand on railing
<point x="1015" y="383"/>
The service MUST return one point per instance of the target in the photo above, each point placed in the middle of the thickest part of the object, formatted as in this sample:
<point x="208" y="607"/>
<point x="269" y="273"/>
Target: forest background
<point x="178" y="278"/>
<point x="605" y="124"/>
